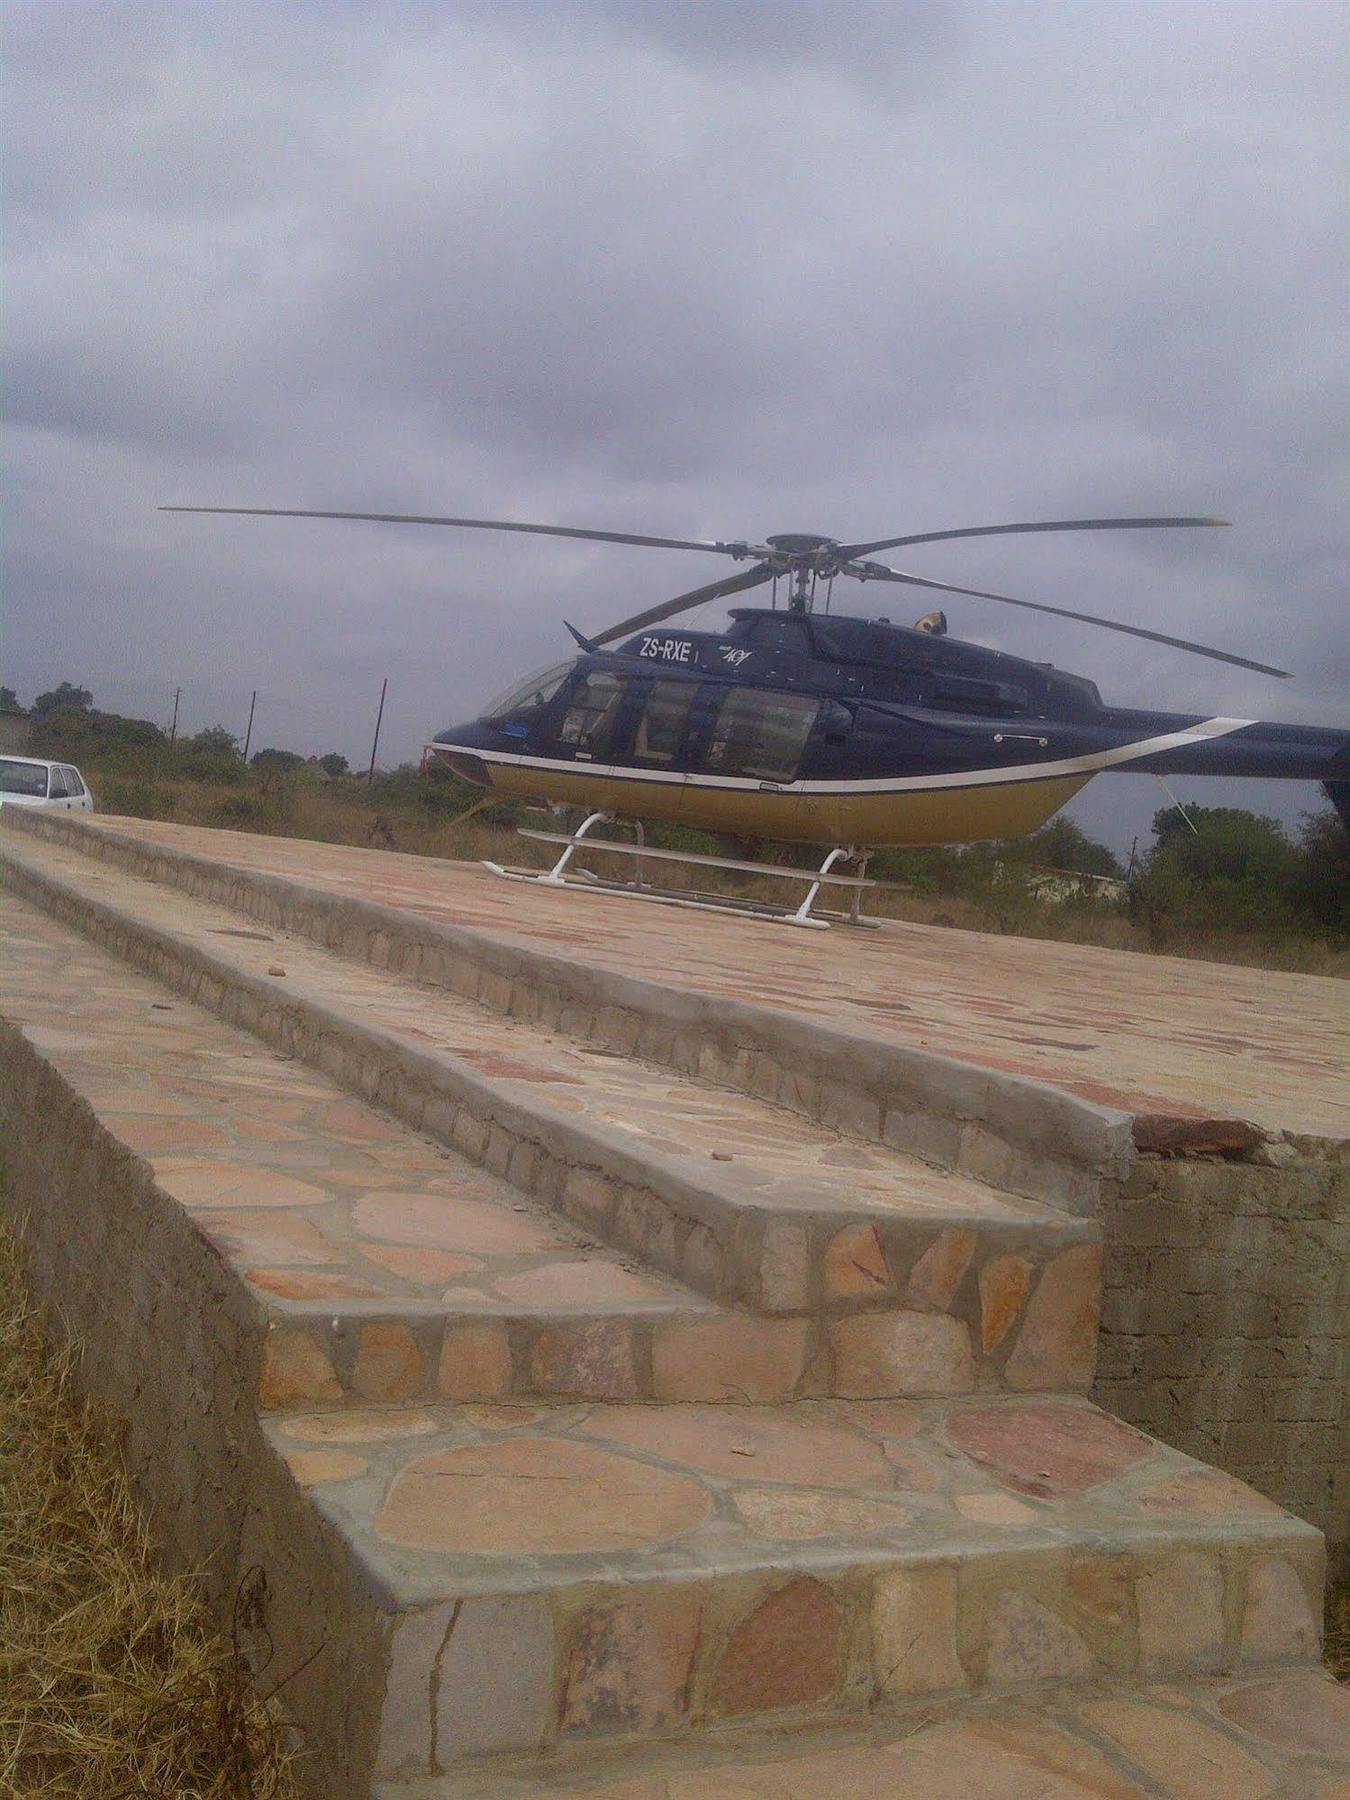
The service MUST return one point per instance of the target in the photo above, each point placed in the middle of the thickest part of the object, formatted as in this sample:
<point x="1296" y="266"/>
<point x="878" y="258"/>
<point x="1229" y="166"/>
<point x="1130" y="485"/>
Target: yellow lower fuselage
<point x="875" y="817"/>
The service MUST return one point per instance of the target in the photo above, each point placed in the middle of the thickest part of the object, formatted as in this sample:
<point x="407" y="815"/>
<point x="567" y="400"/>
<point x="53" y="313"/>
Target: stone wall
<point x="172" y="1340"/>
<point x="1226" y="1323"/>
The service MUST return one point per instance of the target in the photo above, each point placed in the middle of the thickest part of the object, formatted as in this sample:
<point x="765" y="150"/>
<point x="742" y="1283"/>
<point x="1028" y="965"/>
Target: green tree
<point x="89" y="737"/>
<point x="59" y="698"/>
<point x="9" y="700"/>
<point x="1225" y="844"/>
<point x="1218" y="868"/>
<point x="212" y="755"/>
<point x="214" y="741"/>
<point x="1062" y="845"/>
<point x="333" y="764"/>
<point x="1322" y="885"/>
<point x="280" y="760"/>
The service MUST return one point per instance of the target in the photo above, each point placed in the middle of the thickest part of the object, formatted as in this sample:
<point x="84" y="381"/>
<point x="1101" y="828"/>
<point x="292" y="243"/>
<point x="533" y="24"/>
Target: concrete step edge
<point x="1021" y="1134"/>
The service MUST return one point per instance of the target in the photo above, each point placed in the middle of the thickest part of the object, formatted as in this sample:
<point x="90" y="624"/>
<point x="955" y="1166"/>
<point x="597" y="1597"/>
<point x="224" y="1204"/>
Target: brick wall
<point x="1226" y="1321"/>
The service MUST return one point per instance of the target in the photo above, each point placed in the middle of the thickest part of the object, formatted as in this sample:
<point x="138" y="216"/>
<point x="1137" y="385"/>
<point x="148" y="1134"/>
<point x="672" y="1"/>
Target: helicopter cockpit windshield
<point x="529" y="695"/>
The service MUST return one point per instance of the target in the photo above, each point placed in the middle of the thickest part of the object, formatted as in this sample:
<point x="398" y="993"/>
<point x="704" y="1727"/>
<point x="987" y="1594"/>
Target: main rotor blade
<point x="733" y="584"/>
<point x="846" y="552"/>
<point x="878" y="572"/>
<point x="565" y="531"/>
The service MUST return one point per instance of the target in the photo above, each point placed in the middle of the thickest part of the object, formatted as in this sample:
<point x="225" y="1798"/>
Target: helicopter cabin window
<point x="592" y="712"/>
<point x="660" y="730"/>
<point x="528" y="695"/>
<point x="760" y="735"/>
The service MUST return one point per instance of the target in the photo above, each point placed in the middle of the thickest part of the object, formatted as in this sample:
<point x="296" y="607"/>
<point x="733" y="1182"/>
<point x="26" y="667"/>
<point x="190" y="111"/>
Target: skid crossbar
<point x="642" y="852"/>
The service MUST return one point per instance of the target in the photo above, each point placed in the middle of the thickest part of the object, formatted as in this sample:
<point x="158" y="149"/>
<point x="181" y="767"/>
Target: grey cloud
<point x="717" y="269"/>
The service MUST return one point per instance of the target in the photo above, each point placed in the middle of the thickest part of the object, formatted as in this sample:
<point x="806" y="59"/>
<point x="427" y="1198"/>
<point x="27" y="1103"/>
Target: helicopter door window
<point x="592" y="713"/>
<point x="760" y="735"/>
<point x="660" y="731"/>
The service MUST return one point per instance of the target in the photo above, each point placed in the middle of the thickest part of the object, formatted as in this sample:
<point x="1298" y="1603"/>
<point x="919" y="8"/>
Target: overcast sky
<point x="700" y="269"/>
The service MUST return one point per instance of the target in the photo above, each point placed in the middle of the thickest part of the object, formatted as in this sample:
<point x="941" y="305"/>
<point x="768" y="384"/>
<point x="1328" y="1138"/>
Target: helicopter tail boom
<point x="1259" y="748"/>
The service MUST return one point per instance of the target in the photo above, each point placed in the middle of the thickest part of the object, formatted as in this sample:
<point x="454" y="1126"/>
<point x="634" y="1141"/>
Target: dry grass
<point x="112" y="1684"/>
<point x="1337" y="1651"/>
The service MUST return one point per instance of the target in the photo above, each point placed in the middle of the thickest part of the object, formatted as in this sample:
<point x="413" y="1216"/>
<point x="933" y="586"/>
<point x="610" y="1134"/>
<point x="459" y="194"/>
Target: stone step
<point x="455" y="1580"/>
<point x="731" y="1021"/>
<point x="1282" y="1732"/>
<point x="379" y="1266"/>
<point x="909" y="1278"/>
<point x="572" y="1579"/>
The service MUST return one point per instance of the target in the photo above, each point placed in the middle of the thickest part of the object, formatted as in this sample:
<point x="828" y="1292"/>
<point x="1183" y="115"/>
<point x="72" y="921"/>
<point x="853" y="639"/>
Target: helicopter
<point x="797" y="724"/>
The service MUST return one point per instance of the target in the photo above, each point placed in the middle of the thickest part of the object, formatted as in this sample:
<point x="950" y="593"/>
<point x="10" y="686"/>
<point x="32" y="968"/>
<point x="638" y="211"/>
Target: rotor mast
<point x="804" y="557"/>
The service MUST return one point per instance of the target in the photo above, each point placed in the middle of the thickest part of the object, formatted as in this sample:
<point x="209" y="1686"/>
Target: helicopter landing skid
<point x="583" y="881"/>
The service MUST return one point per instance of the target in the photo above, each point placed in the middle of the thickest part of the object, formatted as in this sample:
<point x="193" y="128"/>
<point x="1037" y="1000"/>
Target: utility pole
<point x="248" y="735"/>
<point x="370" y="773"/>
<point x="173" y="729"/>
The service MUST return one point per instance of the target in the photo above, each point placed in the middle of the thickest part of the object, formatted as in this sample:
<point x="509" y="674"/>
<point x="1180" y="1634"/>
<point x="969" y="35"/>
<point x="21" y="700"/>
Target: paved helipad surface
<point x="1144" y="1033"/>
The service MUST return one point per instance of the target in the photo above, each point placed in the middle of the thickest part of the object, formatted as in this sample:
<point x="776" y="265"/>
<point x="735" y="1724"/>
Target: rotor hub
<point x="800" y="546"/>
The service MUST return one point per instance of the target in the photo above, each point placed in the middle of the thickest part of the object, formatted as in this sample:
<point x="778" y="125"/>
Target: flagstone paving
<point x="391" y="1267"/>
<point x="619" y="1572"/>
<point x="1285" y="1737"/>
<point x="1148" y="1034"/>
<point x="553" y="1522"/>
<point x="720" y="1486"/>
<point x="953" y="1283"/>
<point x="785" y="1160"/>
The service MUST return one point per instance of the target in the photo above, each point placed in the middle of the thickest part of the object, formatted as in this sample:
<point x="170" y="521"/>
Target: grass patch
<point x="112" y="1682"/>
<point x="1337" y="1651"/>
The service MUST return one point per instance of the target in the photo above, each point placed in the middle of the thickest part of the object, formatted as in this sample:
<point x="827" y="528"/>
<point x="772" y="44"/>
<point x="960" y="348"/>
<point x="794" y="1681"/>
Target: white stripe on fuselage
<point x="888" y="784"/>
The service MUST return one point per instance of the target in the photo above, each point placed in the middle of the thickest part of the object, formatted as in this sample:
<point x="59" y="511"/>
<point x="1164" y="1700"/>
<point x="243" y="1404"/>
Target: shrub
<point x="135" y="799"/>
<point x="212" y="755"/>
<point x="1226" y="868"/>
<point x="1321" y="886"/>
<point x="79" y="735"/>
<point x="258" y="810"/>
